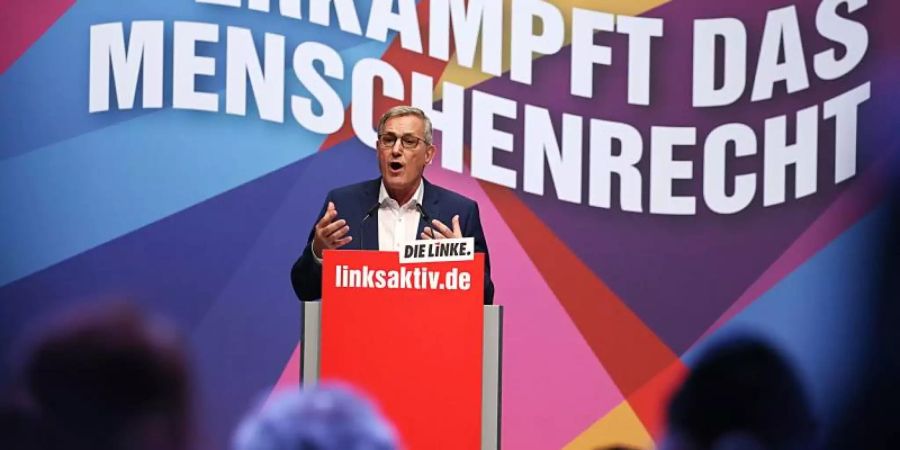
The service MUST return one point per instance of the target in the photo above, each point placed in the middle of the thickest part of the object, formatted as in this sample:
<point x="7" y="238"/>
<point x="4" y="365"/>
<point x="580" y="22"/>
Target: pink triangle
<point x="290" y="375"/>
<point x="23" y="23"/>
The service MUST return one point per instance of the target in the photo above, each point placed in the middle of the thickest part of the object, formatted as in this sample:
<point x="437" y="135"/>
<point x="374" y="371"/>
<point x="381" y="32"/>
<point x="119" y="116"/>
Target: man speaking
<point x="384" y="213"/>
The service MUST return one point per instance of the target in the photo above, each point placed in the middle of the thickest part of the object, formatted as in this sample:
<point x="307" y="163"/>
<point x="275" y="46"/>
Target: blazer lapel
<point x="431" y="205"/>
<point x="370" y="226"/>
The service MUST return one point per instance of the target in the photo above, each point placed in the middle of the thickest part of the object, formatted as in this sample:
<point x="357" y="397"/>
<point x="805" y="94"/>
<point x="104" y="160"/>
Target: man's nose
<point x="396" y="149"/>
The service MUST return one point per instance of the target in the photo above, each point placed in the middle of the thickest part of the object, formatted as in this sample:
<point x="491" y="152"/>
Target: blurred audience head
<point x="869" y="417"/>
<point x="108" y="377"/>
<point x="741" y="396"/>
<point x="18" y="427"/>
<point x="330" y="417"/>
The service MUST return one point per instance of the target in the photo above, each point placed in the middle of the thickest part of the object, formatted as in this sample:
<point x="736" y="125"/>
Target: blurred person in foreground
<point x="319" y="418"/>
<point x="18" y="426"/>
<point x="870" y="417"/>
<point x="109" y="378"/>
<point x="741" y="396"/>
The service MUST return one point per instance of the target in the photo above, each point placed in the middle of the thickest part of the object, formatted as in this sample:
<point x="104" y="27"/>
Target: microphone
<point x="362" y="235"/>
<point x="424" y="216"/>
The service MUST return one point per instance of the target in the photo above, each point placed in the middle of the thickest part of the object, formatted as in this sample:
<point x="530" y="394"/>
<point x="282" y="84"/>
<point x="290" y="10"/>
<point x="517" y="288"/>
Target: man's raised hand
<point x="441" y="231"/>
<point x="330" y="233"/>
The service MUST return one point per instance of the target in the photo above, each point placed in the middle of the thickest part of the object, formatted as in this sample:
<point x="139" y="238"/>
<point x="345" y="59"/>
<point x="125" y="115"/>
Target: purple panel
<point x="679" y="273"/>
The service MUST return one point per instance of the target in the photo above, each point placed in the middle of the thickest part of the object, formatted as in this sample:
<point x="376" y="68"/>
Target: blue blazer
<point x="355" y="200"/>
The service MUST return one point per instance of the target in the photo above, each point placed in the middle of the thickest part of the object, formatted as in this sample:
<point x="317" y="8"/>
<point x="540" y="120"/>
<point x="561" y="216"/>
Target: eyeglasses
<point x="407" y="141"/>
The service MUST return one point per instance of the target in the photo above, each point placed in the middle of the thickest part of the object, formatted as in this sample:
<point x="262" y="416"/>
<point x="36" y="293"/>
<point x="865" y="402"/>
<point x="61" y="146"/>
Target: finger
<point x="329" y="229"/>
<point x="442" y="229"/>
<point x="330" y="214"/>
<point x="457" y="232"/>
<point x="337" y="235"/>
<point x="427" y="233"/>
<point x="342" y="242"/>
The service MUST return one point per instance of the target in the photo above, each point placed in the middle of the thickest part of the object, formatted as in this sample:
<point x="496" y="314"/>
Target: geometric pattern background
<point x="199" y="216"/>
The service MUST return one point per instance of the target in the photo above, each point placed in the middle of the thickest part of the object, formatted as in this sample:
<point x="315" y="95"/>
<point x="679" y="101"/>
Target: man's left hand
<point x="441" y="231"/>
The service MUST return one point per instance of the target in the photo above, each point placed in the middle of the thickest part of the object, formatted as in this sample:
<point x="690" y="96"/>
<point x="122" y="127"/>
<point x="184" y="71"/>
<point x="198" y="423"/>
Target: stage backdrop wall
<point x="651" y="175"/>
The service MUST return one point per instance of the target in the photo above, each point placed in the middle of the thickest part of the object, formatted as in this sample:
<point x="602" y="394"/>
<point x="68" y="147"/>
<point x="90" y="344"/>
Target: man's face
<point x="401" y="167"/>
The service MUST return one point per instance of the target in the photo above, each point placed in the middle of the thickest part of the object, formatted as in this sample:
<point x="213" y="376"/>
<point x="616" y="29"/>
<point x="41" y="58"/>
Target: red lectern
<point x="412" y="336"/>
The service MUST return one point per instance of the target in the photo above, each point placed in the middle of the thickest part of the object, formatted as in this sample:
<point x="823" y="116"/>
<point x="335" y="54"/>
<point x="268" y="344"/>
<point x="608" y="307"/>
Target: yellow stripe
<point x="620" y="426"/>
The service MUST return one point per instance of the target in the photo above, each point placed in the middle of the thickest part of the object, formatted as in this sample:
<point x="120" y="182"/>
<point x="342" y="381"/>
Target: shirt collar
<point x="383" y="196"/>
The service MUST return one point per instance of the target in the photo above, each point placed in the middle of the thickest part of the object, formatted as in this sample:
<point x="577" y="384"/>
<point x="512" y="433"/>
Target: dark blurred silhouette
<point x="741" y="395"/>
<point x="18" y="427"/>
<point x="108" y="377"/>
<point x="319" y="418"/>
<point x="871" y="418"/>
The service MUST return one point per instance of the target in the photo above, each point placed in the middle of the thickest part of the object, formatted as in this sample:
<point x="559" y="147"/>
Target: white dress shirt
<point x="398" y="224"/>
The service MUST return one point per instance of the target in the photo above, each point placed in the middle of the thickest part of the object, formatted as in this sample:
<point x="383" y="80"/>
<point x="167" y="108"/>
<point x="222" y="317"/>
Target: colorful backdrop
<point x="191" y="197"/>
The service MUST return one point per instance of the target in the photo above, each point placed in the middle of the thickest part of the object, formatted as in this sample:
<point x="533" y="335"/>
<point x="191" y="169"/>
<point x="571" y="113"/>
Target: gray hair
<point x="403" y="110"/>
<point x="325" y="417"/>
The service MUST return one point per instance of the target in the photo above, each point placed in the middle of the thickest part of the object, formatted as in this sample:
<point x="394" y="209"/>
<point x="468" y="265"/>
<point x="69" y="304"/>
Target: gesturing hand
<point x="441" y="231"/>
<point x="330" y="233"/>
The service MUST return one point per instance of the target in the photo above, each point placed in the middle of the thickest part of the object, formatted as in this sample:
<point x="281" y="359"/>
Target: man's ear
<point x="430" y="153"/>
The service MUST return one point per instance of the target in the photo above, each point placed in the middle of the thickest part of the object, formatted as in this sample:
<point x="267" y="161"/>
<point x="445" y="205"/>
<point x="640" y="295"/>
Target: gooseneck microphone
<point x="424" y="216"/>
<point x="362" y="234"/>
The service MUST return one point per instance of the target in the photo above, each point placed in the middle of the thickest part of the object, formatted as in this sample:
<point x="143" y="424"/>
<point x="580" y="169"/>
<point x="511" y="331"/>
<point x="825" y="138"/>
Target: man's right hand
<point x="330" y="233"/>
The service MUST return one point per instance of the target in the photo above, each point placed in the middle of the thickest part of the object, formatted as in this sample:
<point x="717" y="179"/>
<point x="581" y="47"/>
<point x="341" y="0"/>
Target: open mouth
<point x="395" y="165"/>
